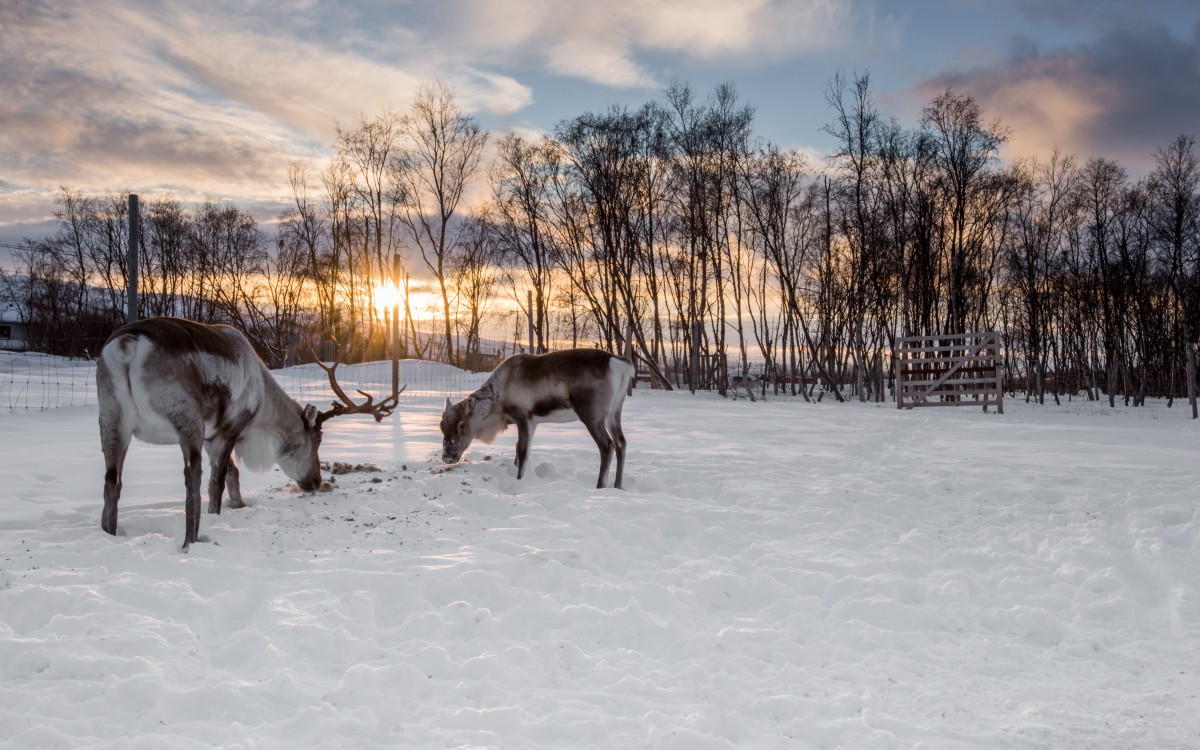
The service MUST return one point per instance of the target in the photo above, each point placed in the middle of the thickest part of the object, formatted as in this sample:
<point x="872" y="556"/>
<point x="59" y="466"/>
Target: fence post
<point x="999" y="374"/>
<point x="410" y="331"/>
<point x="883" y="373"/>
<point x="629" y="355"/>
<point x="695" y="355"/>
<point x="396" y="324"/>
<point x="131" y="263"/>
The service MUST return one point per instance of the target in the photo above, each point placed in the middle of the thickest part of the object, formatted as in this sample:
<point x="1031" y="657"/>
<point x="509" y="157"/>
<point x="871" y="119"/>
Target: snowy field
<point x="776" y="575"/>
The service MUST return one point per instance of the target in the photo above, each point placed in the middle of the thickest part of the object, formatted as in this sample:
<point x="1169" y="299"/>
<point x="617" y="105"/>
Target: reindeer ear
<point x="310" y="416"/>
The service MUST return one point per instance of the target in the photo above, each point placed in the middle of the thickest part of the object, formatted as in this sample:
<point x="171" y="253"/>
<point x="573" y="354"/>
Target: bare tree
<point x="278" y="311"/>
<point x="368" y="156"/>
<point x="522" y="177"/>
<point x="350" y="258"/>
<point x="304" y="235"/>
<point x="1102" y="185"/>
<point x="1045" y="210"/>
<point x="443" y="154"/>
<point x="1175" y="187"/>
<point x="780" y="211"/>
<point x="163" y="283"/>
<point x="858" y="129"/>
<point x="965" y="146"/>
<point x="474" y="277"/>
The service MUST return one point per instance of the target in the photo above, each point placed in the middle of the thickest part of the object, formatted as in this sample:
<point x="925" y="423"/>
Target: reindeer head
<point x="475" y="417"/>
<point x="456" y="430"/>
<point x="298" y="450"/>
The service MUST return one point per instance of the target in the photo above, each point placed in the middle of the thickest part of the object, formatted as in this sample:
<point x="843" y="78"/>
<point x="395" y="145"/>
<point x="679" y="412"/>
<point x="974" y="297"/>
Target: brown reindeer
<point x="173" y="381"/>
<point x="577" y="384"/>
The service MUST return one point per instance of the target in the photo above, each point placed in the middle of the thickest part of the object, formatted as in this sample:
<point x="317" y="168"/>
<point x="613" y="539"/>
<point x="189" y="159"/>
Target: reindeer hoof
<point x="203" y="539"/>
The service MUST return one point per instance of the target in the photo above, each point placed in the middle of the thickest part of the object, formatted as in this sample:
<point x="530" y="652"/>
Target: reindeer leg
<point x="233" y="486"/>
<point x="220" y="458"/>
<point x="191" y="481"/>
<point x="114" y="442"/>
<point x="190" y="430"/>
<point x="618" y="435"/>
<point x="605" y="443"/>
<point x="524" y="435"/>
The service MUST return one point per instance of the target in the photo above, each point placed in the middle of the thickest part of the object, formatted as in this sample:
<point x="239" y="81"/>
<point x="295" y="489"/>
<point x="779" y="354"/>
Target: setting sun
<point x="387" y="296"/>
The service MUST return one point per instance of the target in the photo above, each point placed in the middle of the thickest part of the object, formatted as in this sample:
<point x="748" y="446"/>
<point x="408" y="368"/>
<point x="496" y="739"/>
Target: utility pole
<point x="131" y="264"/>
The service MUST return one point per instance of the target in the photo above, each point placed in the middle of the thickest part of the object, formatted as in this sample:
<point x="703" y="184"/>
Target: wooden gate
<point x="949" y="369"/>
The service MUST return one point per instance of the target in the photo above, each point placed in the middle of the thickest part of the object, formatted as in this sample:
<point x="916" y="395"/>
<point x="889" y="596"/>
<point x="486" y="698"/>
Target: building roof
<point x="10" y="313"/>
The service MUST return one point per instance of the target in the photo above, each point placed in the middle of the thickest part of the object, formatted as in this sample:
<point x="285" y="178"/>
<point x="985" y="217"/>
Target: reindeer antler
<point x="383" y="409"/>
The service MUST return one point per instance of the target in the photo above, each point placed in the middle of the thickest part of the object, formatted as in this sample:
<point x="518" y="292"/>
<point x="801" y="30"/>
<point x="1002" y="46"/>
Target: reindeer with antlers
<point x="174" y="381"/>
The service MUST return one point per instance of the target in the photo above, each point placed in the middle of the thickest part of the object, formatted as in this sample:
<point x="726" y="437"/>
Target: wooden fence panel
<point x="949" y="369"/>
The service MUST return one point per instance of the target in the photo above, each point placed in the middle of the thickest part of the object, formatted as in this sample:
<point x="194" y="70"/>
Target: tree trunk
<point x="1190" y="349"/>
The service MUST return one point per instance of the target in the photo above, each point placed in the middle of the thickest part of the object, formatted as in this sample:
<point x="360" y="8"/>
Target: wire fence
<point x="30" y="381"/>
<point x="420" y="379"/>
<point x="36" y="381"/>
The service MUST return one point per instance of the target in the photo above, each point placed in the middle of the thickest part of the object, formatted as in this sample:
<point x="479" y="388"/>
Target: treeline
<point x="673" y="228"/>
<point x="212" y="263"/>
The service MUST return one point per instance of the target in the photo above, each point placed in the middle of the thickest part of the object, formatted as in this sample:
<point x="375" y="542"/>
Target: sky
<point x="215" y="99"/>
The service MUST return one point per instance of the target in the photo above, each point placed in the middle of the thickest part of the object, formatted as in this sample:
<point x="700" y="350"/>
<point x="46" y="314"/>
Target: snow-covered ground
<point x="776" y="575"/>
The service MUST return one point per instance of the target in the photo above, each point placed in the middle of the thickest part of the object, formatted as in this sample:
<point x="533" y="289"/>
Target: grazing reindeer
<point x="526" y="390"/>
<point x="168" y="380"/>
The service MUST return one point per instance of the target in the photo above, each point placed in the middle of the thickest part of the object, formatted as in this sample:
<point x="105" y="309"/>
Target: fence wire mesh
<point x="31" y="381"/>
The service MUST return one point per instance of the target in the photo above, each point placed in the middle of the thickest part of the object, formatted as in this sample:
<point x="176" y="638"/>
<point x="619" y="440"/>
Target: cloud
<point x="215" y="98"/>
<point x="1093" y="12"/>
<point x="1130" y="91"/>
<point x="201" y="99"/>
<point x="602" y="42"/>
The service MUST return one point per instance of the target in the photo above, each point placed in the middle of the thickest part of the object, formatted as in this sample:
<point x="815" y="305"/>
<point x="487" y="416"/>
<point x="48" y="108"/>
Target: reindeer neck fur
<point x="278" y="418"/>
<point x="486" y="413"/>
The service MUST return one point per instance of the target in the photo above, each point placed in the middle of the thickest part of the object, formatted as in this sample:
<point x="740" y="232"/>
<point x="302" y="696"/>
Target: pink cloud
<point x="1122" y="96"/>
